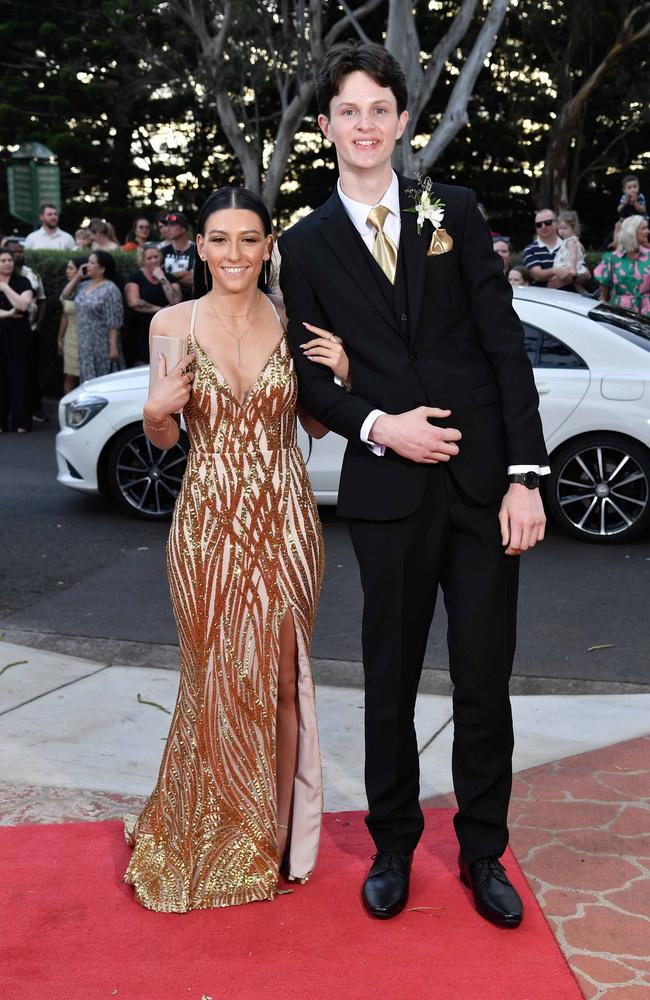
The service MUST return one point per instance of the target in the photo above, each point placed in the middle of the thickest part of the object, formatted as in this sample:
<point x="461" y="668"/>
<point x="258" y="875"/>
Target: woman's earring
<point x="205" y="272"/>
<point x="267" y="273"/>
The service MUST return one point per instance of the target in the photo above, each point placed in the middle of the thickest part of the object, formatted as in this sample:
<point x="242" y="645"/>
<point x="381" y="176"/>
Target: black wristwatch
<point x="529" y="479"/>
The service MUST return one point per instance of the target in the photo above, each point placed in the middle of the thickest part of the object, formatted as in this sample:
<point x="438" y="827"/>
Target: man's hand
<point x="522" y="519"/>
<point x="411" y="436"/>
<point x="184" y="278"/>
<point x="561" y="276"/>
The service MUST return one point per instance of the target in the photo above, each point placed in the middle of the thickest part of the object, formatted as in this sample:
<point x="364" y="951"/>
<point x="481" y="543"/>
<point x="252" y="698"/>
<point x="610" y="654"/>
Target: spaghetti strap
<point x="277" y="314"/>
<point x="193" y="318"/>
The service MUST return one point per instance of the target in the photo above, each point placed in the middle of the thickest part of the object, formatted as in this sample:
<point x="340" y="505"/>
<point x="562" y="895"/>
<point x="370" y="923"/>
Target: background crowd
<point x="105" y="311"/>
<point x="556" y="258"/>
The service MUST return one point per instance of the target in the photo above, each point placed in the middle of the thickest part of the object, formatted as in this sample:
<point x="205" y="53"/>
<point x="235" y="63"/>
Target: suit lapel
<point x="346" y="244"/>
<point x="413" y="251"/>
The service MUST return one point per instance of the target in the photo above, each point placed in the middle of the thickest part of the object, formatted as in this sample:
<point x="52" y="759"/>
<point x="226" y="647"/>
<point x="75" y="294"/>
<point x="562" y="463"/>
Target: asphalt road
<point x="80" y="575"/>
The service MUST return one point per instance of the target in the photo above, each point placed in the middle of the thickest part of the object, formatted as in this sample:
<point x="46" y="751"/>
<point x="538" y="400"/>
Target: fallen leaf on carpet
<point x="143" y="701"/>
<point x="601" y="645"/>
<point x="16" y="663"/>
<point x="422" y="909"/>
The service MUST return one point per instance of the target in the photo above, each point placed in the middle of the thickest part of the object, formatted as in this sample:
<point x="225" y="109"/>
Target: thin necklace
<point x="250" y="326"/>
<point x="229" y="315"/>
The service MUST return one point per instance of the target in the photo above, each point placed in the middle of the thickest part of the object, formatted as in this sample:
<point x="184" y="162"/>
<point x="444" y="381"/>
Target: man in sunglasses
<point x="539" y="256"/>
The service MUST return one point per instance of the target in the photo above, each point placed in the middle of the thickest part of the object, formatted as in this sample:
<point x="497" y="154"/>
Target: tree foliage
<point x="586" y="60"/>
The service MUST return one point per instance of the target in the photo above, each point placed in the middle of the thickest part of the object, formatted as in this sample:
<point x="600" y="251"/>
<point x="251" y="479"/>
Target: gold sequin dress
<point x="245" y="548"/>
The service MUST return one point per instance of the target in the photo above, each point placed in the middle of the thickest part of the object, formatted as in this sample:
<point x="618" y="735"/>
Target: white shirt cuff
<point x="541" y="470"/>
<point x="364" y="433"/>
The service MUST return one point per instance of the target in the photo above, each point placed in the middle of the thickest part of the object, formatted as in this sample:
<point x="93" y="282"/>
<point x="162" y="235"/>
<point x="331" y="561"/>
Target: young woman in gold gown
<point x="238" y="796"/>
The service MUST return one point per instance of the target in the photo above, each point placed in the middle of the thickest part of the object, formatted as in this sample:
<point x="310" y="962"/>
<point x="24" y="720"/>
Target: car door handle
<point x="543" y="388"/>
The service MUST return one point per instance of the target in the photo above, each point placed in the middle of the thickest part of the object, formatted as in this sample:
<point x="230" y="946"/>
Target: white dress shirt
<point x="358" y="214"/>
<point x="44" y="239"/>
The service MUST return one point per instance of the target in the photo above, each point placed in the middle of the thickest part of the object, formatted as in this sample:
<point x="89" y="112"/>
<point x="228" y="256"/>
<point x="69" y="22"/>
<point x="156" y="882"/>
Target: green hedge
<point x="51" y="265"/>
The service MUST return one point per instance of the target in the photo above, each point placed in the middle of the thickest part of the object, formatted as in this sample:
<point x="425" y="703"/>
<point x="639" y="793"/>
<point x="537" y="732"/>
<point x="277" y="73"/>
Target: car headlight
<point x="82" y="410"/>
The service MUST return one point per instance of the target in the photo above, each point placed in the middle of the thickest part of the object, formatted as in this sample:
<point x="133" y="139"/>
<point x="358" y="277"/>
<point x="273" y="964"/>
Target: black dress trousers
<point x="453" y="542"/>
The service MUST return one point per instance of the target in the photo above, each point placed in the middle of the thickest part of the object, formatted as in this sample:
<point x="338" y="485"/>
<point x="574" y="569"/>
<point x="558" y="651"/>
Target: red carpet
<point x="72" y="930"/>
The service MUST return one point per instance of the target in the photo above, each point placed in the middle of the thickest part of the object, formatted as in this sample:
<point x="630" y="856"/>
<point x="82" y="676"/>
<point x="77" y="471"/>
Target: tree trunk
<point x="287" y="128"/>
<point x="245" y="148"/>
<point x="553" y="186"/>
<point x="247" y="142"/>
<point x="403" y="42"/>
<point x="120" y="162"/>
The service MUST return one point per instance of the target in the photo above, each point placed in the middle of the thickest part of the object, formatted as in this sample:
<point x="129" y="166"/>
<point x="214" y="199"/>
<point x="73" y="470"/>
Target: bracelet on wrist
<point x="155" y="425"/>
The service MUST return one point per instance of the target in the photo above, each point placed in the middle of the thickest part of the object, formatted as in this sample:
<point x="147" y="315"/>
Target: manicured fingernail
<point x="159" y="356"/>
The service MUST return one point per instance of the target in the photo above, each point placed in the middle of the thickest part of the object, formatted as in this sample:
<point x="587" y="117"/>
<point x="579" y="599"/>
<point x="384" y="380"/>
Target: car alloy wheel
<point x="599" y="488"/>
<point x="142" y="478"/>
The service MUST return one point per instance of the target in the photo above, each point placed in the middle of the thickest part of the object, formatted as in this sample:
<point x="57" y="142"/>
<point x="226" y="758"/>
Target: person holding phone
<point x="67" y="341"/>
<point x="100" y="316"/>
<point x="147" y="291"/>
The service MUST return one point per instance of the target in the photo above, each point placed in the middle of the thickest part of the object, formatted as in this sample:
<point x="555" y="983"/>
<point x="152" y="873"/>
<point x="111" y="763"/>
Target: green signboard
<point x="32" y="179"/>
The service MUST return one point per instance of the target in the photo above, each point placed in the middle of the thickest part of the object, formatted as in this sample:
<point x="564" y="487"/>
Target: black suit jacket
<point x="445" y="335"/>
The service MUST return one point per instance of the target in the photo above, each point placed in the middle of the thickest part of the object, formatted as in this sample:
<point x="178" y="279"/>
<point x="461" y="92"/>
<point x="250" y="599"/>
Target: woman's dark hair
<point x="230" y="197"/>
<point x="4" y="251"/>
<point x="130" y="236"/>
<point x="364" y="57"/>
<point x="78" y="261"/>
<point x="105" y="260"/>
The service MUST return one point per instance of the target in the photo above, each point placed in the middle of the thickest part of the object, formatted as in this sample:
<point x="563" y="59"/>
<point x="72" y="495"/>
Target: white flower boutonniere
<point x="427" y="208"/>
<point x="431" y="210"/>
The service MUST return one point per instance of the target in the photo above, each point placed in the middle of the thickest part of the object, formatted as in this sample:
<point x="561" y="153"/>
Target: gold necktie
<point x="383" y="249"/>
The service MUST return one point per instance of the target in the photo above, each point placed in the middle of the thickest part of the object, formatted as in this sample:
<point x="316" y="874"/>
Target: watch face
<point x="531" y="480"/>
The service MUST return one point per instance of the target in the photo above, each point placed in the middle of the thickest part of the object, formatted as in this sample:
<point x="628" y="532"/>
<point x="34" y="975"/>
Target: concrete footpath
<point x="81" y="740"/>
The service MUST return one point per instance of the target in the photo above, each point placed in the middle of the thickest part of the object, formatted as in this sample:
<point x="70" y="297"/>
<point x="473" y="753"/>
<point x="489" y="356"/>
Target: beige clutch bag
<point x="172" y="349"/>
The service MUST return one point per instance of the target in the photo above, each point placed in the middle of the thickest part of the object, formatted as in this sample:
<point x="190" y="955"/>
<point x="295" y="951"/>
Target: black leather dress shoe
<point x="495" y="897"/>
<point x="386" y="889"/>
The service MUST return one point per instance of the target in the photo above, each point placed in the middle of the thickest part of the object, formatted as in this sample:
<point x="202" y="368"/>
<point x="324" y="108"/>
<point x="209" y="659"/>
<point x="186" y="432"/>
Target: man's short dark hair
<point x="364" y="57"/>
<point x="47" y="204"/>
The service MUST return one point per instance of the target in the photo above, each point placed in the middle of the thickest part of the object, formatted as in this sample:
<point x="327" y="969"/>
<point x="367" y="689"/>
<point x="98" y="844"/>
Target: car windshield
<point x="630" y="325"/>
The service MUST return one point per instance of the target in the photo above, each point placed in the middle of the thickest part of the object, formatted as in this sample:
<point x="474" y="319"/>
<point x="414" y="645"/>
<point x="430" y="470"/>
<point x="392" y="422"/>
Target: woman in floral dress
<point x="624" y="274"/>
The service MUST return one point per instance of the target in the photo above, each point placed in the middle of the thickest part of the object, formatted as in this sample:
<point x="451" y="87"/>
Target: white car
<point x="592" y="368"/>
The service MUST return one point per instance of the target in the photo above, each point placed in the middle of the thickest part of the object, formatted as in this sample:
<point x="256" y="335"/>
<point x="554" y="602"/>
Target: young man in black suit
<point x="442" y="413"/>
